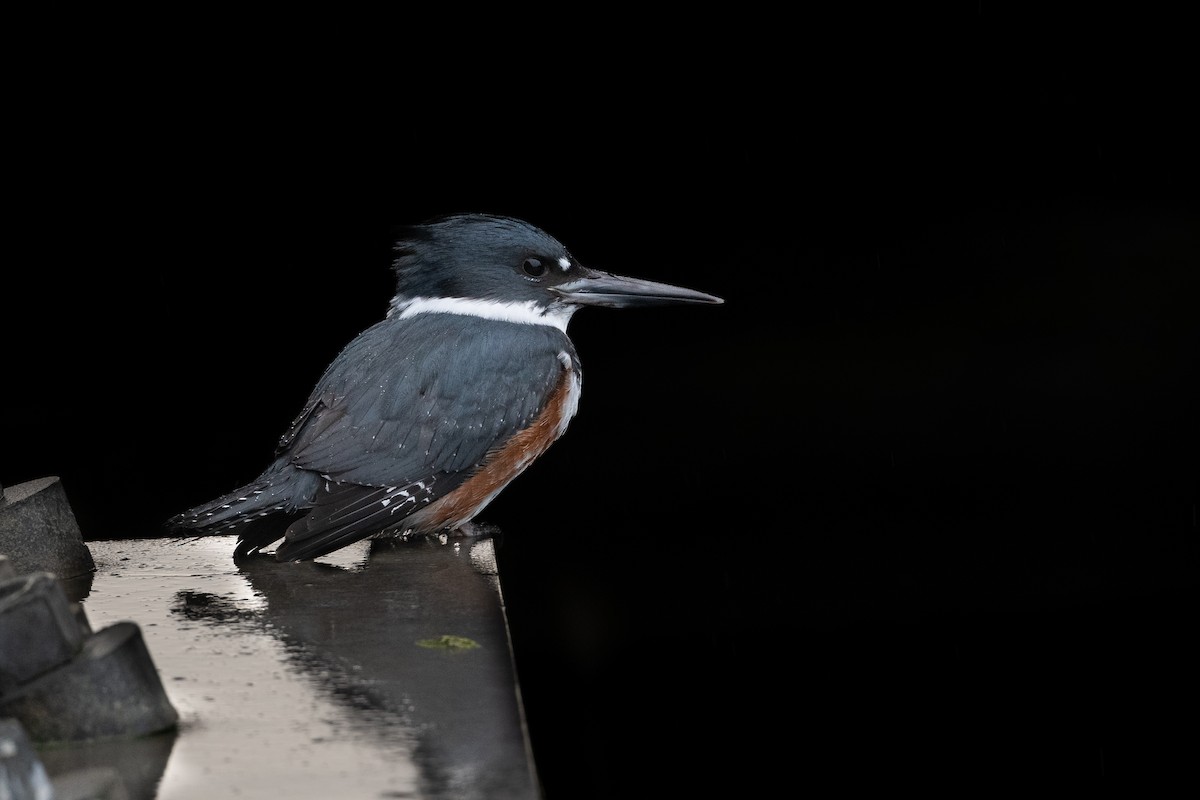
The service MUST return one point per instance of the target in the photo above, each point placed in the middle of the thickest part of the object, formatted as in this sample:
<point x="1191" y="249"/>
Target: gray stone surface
<point x="22" y="776"/>
<point x="38" y="629"/>
<point x="138" y="762"/>
<point x="94" y="783"/>
<point x="382" y="670"/>
<point x="81" y="619"/>
<point x="38" y="531"/>
<point x="111" y="689"/>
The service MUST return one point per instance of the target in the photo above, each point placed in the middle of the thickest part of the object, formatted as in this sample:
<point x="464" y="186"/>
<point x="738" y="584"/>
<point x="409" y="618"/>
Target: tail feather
<point x="274" y="493"/>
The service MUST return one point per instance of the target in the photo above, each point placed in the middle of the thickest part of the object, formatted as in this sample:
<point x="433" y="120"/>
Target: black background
<point x="917" y="505"/>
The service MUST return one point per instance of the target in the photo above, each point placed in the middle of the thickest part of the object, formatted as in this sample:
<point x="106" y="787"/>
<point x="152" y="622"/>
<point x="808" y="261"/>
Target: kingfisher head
<point x="505" y="268"/>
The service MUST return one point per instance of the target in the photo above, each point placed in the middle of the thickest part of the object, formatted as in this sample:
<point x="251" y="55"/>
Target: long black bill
<point x="615" y="291"/>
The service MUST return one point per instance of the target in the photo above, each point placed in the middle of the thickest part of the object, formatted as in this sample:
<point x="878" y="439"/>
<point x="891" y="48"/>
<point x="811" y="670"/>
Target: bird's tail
<point x="258" y="512"/>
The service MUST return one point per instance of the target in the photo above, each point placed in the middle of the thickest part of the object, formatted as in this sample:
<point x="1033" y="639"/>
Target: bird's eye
<point x="534" y="268"/>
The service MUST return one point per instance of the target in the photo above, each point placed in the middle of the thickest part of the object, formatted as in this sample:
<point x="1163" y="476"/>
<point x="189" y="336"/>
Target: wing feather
<point x="405" y="413"/>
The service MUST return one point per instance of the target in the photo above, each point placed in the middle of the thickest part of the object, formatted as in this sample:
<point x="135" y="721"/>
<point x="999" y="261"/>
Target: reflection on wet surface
<point x="317" y="679"/>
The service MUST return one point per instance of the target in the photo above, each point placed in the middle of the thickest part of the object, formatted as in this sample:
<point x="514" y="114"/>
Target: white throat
<point x="526" y="312"/>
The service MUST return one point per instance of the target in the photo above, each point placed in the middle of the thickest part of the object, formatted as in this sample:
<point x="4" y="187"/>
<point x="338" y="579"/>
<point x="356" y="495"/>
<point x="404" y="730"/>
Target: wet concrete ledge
<point x="384" y="670"/>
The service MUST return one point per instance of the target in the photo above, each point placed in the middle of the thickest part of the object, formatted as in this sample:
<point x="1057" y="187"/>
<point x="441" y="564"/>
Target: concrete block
<point x="38" y="629"/>
<point x="139" y="762"/>
<point x="81" y="618"/>
<point x="22" y="776"/>
<point x="96" y="783"/>
<point x="38" y="531"/>
<point x="110" y="689"/>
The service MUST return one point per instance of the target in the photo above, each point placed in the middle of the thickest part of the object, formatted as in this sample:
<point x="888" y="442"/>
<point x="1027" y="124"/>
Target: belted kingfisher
<point x="427" y="415"/>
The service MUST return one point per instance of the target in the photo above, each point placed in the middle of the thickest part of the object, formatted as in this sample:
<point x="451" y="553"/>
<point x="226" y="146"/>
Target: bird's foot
<point x="473" y="530"/>
<point x="467" y="530"/>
